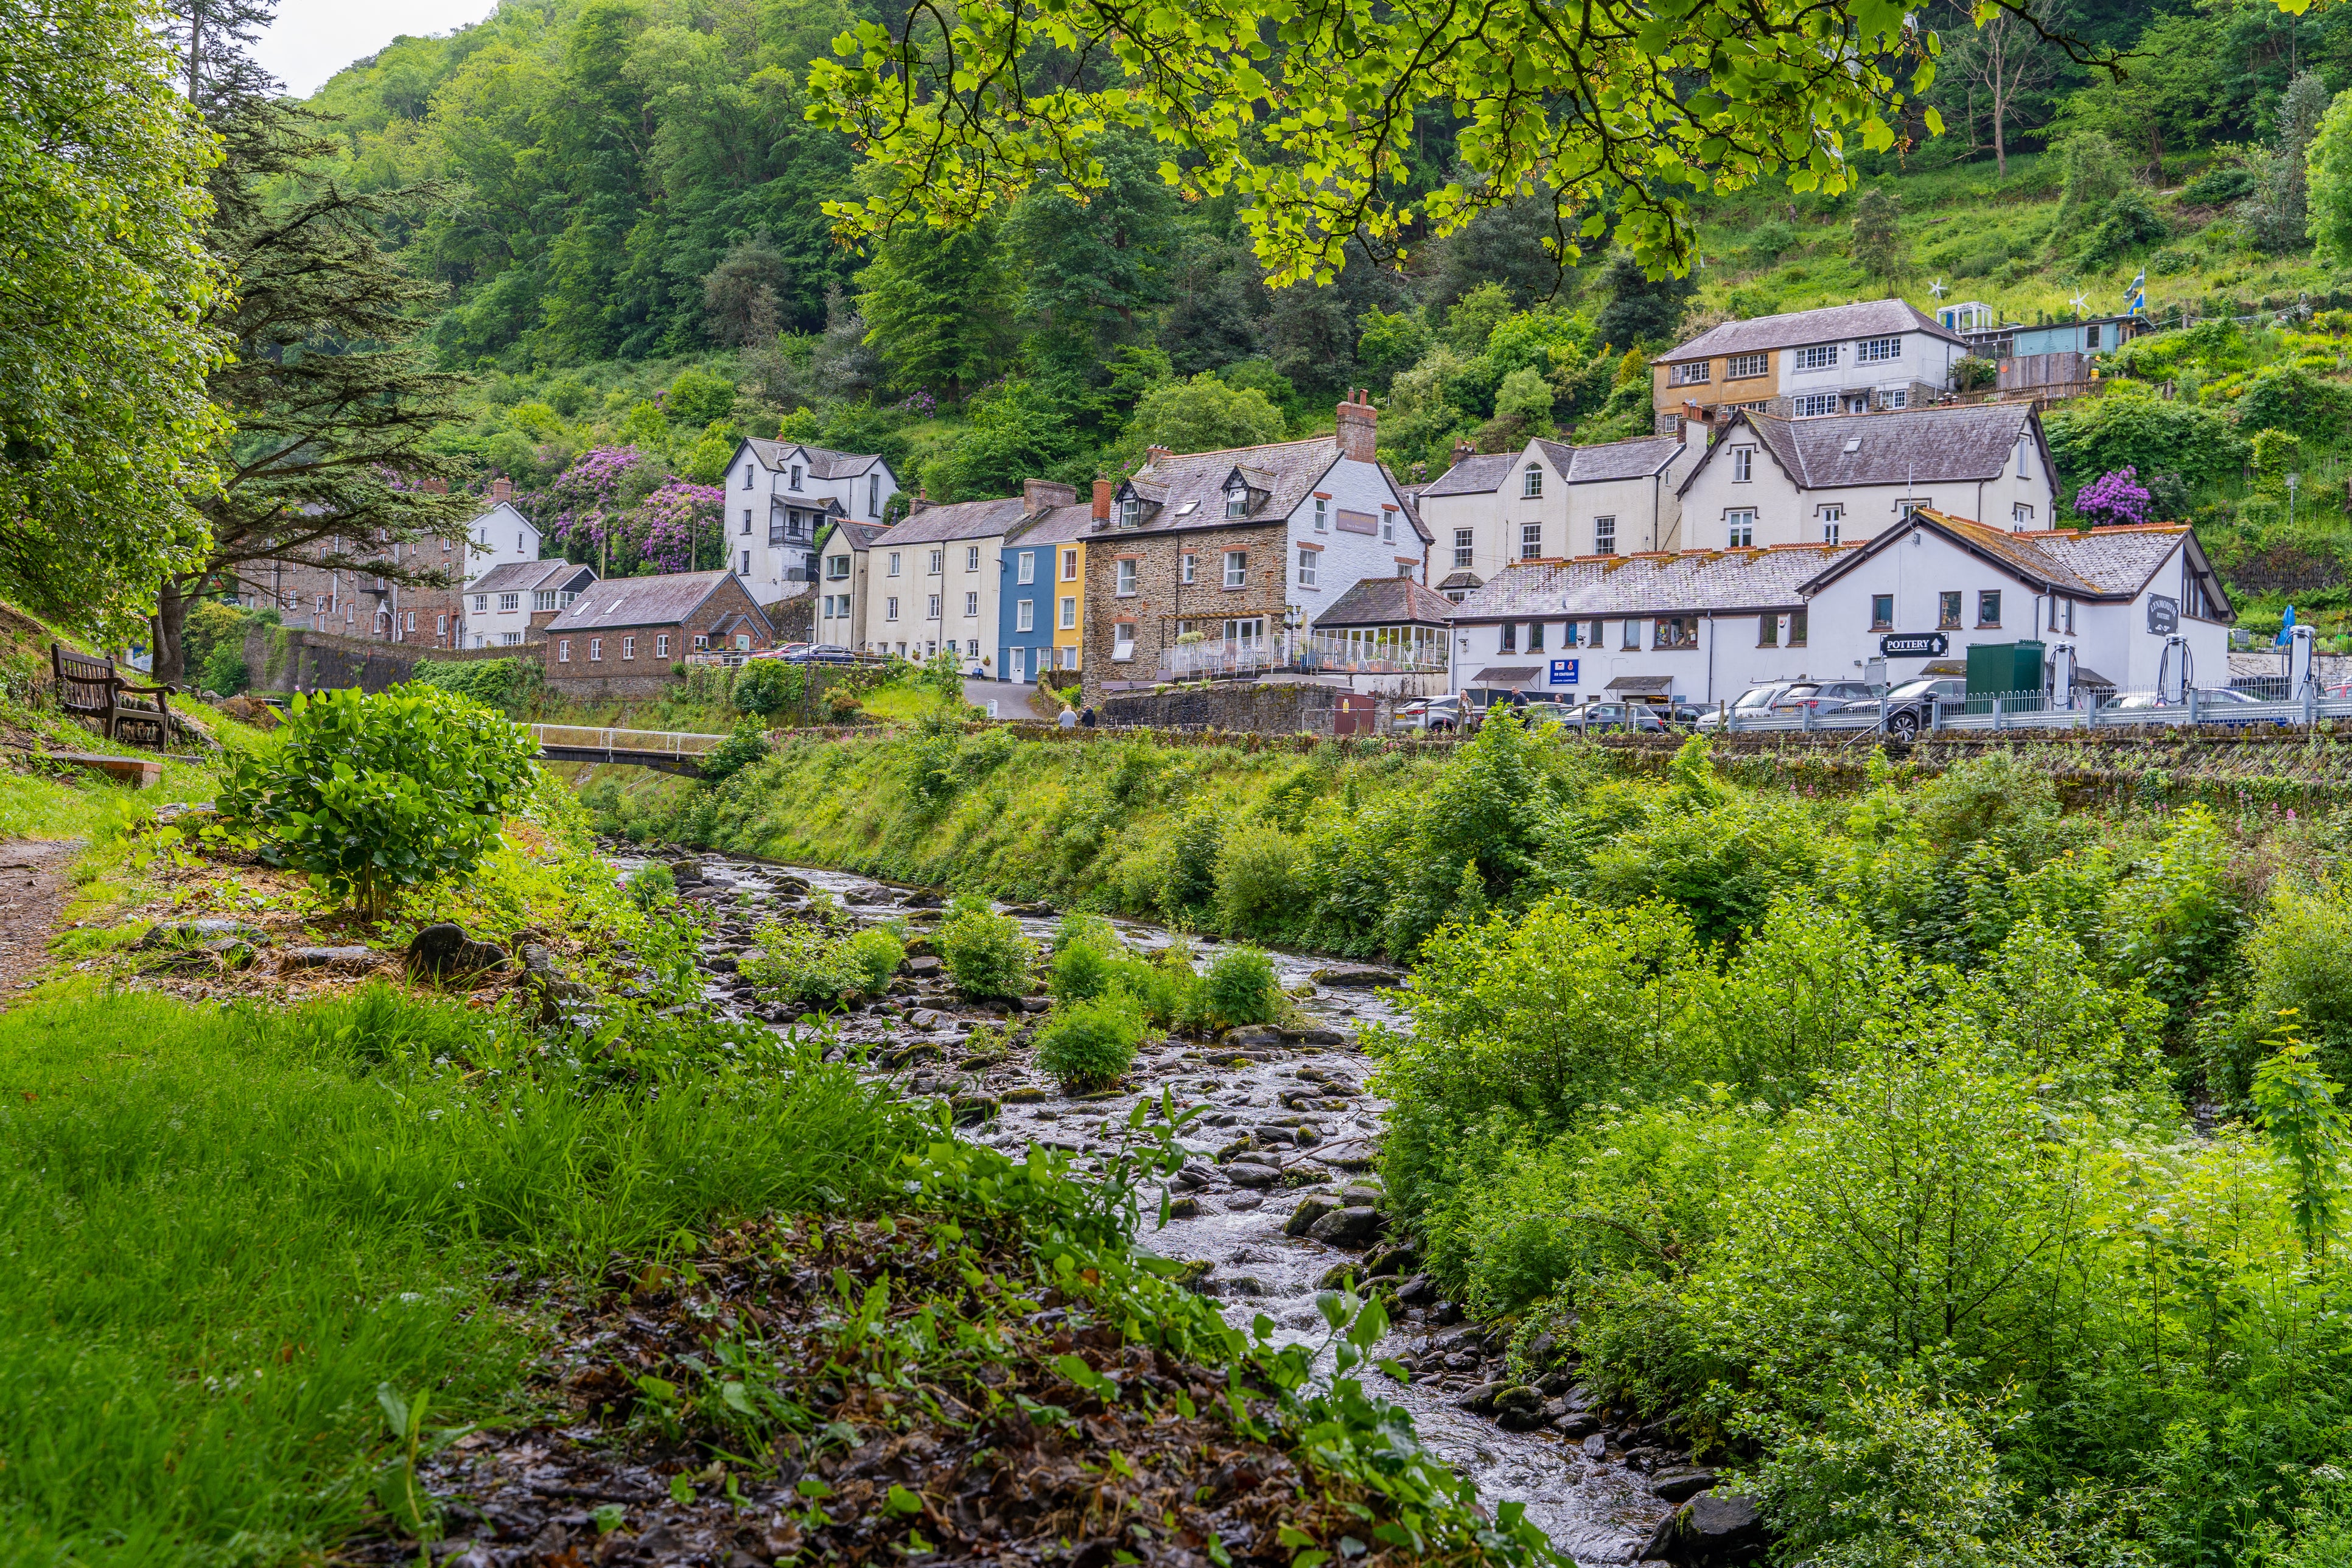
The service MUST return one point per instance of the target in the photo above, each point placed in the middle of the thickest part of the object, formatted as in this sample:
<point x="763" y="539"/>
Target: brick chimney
<point x="1462" y="448"/>
<point x="1698" y="426"/>
<point x="1044" y="495"/>
<point x="1358" y="426"/>
<point x="1156" y="454"/>
<point x="501" y="490"/>
<point x="1102" y="500"/>
<point x="922" y="501"/>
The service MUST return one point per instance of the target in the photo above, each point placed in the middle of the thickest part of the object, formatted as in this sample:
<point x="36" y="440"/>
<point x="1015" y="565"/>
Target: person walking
<point x="1068" y="718"/>
<point x="1088" y="718"/>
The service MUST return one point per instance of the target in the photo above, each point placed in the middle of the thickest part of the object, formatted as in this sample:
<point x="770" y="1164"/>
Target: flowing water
<point x="1595" y="1505"/>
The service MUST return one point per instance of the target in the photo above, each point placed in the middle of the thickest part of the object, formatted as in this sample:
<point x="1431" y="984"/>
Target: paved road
<point x="1010" y="697"/>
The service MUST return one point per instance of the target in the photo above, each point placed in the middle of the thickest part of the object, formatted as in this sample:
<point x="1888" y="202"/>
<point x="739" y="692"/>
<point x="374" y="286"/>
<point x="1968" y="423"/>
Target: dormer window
<point x="796" y="476"/>
<point x="1236" y="499"/>
<point x="1130" y="512"/>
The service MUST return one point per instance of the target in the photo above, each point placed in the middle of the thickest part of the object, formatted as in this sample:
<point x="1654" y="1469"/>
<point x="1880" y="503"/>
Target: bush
<point x="1089" y="1044"/>
<point x="1081" y="971"/>
<point x="985" y="953"/>
<point x="768" y="686"/>
<point x="1239" y="989"/>
<point x="373" y="794"/>
<point x="1257" y="878"/>
<point x="2218" y="188"/>
<point x="651" y="884"/>
<point x="1192" y="870"/>
<point x="804" y="963"/>
<point x="739" y="750"/>
<point x="224" y="669"/>
<point x="494" y="682"/>
<point x="1163" y="991"/>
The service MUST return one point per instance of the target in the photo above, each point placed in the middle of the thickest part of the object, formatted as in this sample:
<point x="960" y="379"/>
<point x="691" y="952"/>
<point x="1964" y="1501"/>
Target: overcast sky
<point x="313" y="39"/>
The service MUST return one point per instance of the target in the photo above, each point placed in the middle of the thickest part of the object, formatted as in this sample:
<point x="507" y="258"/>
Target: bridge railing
<point x="659" y="743"/>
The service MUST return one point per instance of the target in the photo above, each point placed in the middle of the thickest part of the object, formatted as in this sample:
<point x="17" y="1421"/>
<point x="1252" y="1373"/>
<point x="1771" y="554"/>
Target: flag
<point x="2135" y="296"/>
<point x="2286" y="630"/>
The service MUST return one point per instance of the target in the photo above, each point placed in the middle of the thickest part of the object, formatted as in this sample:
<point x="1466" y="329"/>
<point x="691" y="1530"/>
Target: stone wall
<point x="1241" y="707"/>
<point x="297" y="658"/>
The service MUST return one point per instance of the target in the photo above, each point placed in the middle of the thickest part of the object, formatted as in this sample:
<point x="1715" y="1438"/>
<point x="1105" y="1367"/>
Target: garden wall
<point x="297" y="658"/>
<point x="1260" y="710"/>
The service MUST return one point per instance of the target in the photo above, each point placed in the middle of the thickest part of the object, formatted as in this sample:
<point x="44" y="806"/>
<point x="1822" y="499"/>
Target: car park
<point x="1759" y="703"/>
<point x="1432" y="715"/>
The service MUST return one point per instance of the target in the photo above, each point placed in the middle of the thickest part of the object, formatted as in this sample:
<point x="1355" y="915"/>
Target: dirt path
<point x="33" y="888"/>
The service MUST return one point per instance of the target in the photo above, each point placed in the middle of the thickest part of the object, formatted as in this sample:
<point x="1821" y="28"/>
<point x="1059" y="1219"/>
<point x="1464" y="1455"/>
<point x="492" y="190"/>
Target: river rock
<point x="925" y="1018"/>
<point x="1033" y="911"/>
<point x="1576" y="1424"/>
<point x="1681" y="1484"/>
<point x="1184" y="1208"/>
<point x="684" y="872"/>
<point x="1518" y="1409"/>
<point x="1026" y="1094"/>
<point x="1314" y="1037"/>
<point x="721" y="963"/>
<point x="1480" y="1401"/>
<point x="1418" y="1292"/>
<point x="925" y="965"/>
<point x="970" y="1109"/>
<point x="1357" y="1193"/>
<point x="1311" y="1208"/>
<point x="921" y="901"/>
<point x="1711" y="1531"/>
<point x="1400" y="1258"/>
<point x="442" y="951"/>
<point x="1194" y="1174"/>
<point x="197" y="932"/>
<point x="558" y="996"/>
<point x="1035" y="1004"/>
<point x="1352" y="1227"/>
<point x="1355" y="978"/>
<point x="1252" y="1036"/>
<point x="1249" y="1174"/>
<point x="337" y="958"/>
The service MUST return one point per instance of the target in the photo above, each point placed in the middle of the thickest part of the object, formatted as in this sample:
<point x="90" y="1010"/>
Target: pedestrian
<point x="1088" y="718"/>
<point x="1068" y="719"/>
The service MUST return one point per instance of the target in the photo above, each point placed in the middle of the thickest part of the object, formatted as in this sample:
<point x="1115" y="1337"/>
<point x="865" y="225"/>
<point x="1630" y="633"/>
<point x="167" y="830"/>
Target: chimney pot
<point x="1102" y="500"/>
<point x="1158" y="454"/>
<point x="501" y="488"/>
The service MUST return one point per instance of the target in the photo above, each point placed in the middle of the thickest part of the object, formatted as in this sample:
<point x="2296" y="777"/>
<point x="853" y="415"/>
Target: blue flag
<point x="2135" y="296"/>
<point x="2286" y="628"/>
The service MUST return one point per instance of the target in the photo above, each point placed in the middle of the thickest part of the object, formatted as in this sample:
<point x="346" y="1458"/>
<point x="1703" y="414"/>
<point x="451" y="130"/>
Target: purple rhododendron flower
<point x="2115" y="498"/>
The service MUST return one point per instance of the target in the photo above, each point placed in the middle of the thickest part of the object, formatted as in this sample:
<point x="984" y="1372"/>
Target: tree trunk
<point x="2000" y="141"/>
<point x="171" y="623"/>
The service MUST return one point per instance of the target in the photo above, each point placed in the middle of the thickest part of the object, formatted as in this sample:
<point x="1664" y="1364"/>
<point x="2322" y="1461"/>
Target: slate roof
<point x="823" y="463"/>
<point x="1285" y="472"/>
<point x="1387" y="602"/>
<point x="1635" y="460"/>
<point x="1863" y="319"/>
<point x="862" y="535"/>
<point x="1606" y="586"/>
<point x="521" y="576"/>
<point x="666" y="600"/>
<point x="955" y="521"/>
<point x="1903" y="447"/>
<point x="1480" y="474"/>
<point x="1054" y="525"/>
<point x="2089" y="564"/>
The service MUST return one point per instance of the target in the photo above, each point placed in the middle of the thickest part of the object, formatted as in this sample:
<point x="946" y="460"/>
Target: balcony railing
<point x="1397" y="651"/>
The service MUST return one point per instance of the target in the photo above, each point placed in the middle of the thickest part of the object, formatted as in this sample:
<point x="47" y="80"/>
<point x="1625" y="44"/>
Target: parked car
<point x="2213" y="703"/>
<point x="1907" y="705"/>
<point x="1759" y="702"/>
<point x="832" y="653"/>
<point x="1436" y="715"/>
<point x="1830" y="696"/>
<point x="793" y="651"/>
<point x="1627" y="717"/>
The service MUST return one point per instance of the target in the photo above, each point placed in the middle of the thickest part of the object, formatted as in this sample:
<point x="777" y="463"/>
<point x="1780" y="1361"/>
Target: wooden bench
<point x="94" y="688"/>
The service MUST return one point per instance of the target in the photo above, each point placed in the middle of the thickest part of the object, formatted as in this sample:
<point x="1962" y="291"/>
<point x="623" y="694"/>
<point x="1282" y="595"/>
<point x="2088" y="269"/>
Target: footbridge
<point x="670" y="750"/>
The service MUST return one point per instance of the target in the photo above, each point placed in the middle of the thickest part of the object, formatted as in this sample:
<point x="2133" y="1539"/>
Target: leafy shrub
<point x="494" y="682"/>
<point x="841" y="704"/>
<point x="1240" y="988"/>
<point x="2291" y="399"/>
<point x="746" y="744"/>
<point x="805" y="963"/>
<point x="983" y="753"/>
<point x="1089" y="1044"/>
<point x="2129" y="223"/>
<point x="1192" y="882"/>
<point x="1081" y="971"/>
<point x="1257" y="878"/>
<point x="2131" y="427"/>
<point x="984" y="952"/>
<point x="1164" y="990"/>
<point x="768" y="686"/>
<point x="2297" y="953"/>
<point x="373" y="794"/>
<point x="932" y="776"/>
<point x="651" y="884"/>
<point x="2218" y="188"/>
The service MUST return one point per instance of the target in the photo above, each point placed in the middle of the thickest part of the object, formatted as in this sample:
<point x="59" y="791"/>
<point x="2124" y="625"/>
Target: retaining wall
<point x="297" y="658"/>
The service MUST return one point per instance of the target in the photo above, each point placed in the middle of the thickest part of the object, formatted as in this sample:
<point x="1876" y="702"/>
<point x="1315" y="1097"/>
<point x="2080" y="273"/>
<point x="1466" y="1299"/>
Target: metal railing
<point x="656" y="742"/>
<point x="1212" y="662"/>
<point x="2033" y="710"/>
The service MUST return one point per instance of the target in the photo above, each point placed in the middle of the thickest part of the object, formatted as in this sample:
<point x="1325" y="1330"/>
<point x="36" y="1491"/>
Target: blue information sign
<point x="1563" y="672"/>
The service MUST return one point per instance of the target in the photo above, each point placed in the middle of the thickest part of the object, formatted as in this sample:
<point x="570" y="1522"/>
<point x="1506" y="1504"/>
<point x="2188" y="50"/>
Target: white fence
<point x="2032" y="711"/>
<point x="660" y="742"/>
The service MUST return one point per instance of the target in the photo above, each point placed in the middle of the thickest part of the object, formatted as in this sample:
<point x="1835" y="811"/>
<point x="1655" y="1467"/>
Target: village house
<point x="933" y="582"/>
<point x="842" y="547"/>
<point x="1217" y="563"/>
<point x="1705" y="626"/>
<point x="1766" y="480"/>
<point x="1041" y="600"/>
<point x="1551" y="500"/>
<point x="1386" y="635"/>
<point x="1843" y="359"/>
<point x="513" y="602"/>
<point x="641" y="627"/>
<point x="780" y="495"/>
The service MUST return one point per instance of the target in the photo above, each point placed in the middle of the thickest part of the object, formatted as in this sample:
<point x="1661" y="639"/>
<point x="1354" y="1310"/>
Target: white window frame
<point x="893" y="571"/>
<point x="1739" y="527"/>
<point x="1322" y="515"/>
<point x="1024" y="616"/>
<point x="1388" y="526"/>
<point x="629" y="646"/>
<point x="1832" y="524"/>
<point x="1604" y="536"/>
<point x="1696" y="373"/>
<point x="971" y="557"/>
<point x="1236" y="568"/>
<point x="890" y="607"/>
<point x="1070" y="565"/>
<point x="2021" y="516"/>
<point x="563" y="650"/>
<point x="1025" y="572"/>
<point x="1530" y="541"/>
<point x="1123" y="578"/>
<point x="971" y="602"/>
<point x="1877" y="351"/>
<point x="1531" y="482"/>
<point x="595" y="650"/>
<point x="934" y="608"/>
<point x="1309" y="557"/>
<point x="1187" y="567"/>
<point x="1122" y="641"/>
<point x="1466" y="548"/>
<point x="1817" y="356"/>
<point x="1743" y="465"/>
<point x="1070" y="612"/>
<point x="1814" y="405"/>
<point x="939" y="563"/>
<point x="661" y="645"/>
<point x="1747" y="367"/>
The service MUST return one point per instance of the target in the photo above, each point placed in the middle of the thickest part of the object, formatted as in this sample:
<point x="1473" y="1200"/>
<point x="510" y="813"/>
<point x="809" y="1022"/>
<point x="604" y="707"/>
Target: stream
<point x="1587" y="1485"/>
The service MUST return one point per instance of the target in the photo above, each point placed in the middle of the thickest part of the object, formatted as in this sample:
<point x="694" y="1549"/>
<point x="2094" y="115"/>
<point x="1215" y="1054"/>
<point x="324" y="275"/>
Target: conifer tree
<point x="331" y="400"/>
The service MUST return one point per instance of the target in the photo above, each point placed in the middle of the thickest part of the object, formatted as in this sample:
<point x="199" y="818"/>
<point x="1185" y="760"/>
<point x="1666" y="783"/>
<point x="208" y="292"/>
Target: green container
<point x="2006" y="670"/>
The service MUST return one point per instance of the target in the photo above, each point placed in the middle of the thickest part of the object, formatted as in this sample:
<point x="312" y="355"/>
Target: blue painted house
<point x="1028" y="596"/>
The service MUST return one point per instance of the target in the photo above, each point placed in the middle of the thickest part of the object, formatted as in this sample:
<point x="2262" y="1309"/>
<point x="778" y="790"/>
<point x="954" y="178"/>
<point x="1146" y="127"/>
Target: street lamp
<point x="2294" y="483"/>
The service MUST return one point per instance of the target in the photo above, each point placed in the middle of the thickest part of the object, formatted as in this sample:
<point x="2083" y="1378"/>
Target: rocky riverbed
<point x="1281" y="1194"/>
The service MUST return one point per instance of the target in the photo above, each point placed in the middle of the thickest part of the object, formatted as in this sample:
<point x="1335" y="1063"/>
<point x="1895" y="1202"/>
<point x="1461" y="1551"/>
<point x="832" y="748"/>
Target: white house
<point x="1705" y="626"/>
<point x="502" y="604"/>
<point x="1765" y="480"/>
<point x="497" y="537"/>
<point x="843" y="549"/>
<point x="1697" y="626"/>
<point x="779" y="497"/>
<point x="932" y="582"/>
<point x="1844" y="359"/>
<point x="1552" y="500"/>
<point x="1928" y="588"/>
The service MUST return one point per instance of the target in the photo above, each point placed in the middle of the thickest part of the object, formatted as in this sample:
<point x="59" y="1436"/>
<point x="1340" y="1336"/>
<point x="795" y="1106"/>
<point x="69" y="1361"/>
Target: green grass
<point x="226" y="1227"/>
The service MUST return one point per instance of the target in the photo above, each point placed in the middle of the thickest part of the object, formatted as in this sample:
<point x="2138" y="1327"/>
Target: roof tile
<point x="1863" y="318"/>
